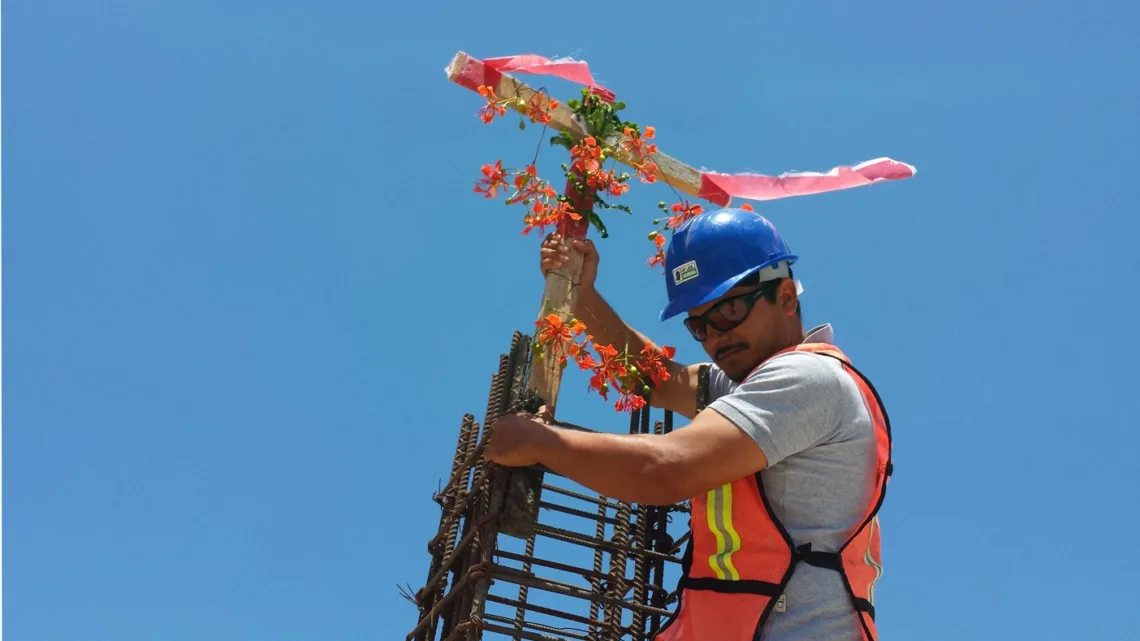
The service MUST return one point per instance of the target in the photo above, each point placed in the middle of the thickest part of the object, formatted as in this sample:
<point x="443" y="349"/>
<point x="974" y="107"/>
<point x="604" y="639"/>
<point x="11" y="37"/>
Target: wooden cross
<point x="560" y="293"/>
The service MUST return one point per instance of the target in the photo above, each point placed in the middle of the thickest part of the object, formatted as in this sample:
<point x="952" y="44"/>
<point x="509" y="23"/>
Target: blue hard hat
<point x="712" y="252"/>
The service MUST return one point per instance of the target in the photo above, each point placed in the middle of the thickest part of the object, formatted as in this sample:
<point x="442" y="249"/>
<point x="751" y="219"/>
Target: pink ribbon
<point x="565" y="68"/>
<point x="722" y="188"/>
<point x="715" y="187"/>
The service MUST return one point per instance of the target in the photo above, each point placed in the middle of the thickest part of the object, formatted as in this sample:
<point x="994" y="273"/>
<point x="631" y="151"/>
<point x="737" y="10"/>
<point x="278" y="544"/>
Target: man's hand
<point x="555" y="252"/>
<point x="518" y="440"/>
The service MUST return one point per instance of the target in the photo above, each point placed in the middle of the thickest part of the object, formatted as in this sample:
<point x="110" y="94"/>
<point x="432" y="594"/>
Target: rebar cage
<point x="519" y="556"/>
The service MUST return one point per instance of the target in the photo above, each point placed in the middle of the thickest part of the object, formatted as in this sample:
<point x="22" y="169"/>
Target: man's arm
<point x="791" y="403"/>
<point x="654" y="469"/>
<point x="679" y="393"/>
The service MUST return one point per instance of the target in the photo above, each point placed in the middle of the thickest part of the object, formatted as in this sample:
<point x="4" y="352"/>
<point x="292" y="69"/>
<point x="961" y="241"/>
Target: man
<point x="786" y="467"/>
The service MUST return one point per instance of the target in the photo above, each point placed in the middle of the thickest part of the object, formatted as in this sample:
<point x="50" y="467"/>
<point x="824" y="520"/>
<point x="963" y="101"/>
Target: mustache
<point x="728" y="348"/>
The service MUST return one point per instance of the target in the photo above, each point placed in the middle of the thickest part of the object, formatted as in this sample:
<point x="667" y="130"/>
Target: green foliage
<point x="601" y="121"/>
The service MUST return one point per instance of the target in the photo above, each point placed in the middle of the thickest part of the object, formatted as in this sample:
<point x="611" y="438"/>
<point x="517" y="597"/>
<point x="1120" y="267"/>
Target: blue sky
<point x="249" y="293"/>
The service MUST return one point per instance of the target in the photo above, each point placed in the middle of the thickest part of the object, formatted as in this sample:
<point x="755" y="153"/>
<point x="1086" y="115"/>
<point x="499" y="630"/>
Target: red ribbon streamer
<point x="722" y="188"/>
<point x="565" y="68"/>
<point x="717" y="188"/>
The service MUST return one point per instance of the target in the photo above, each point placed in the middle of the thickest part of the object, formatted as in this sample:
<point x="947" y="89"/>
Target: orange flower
<point x="529" y="188"/>
<point x="600" y="180"/>
<point x="647" y="172"/>
<point x="651" y="363"/>
<point x="684" y="212"/>
<point x="586" y="156"/>
<point x="629" y="401"/>
<point x="539" y="112"/>
<point x="545" y="215"/>
<point x="611" y="368"/>
<point x="493" y="178"/>
<point x="634" y="143"/>
<point x="493" y="106"/>
<point x="552" y="329"/>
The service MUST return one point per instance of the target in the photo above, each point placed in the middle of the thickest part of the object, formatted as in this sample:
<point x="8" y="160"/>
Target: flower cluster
<point x="612" y="370"/>
<point x="538" y="109"/>
<point x="677" y="215"/>
<point x="591" y="179"/>
<point x="587" y="173"/>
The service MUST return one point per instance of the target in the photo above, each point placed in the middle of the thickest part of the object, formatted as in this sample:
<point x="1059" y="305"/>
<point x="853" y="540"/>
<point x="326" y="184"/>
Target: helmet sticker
<point x="685" y="272"/>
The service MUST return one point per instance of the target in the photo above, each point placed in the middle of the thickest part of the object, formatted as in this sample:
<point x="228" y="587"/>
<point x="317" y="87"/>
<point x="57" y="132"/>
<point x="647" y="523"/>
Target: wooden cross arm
<point x="471" y="73"/>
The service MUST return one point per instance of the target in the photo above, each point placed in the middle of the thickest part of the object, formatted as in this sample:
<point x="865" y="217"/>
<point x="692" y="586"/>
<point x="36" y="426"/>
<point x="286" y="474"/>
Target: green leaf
<point x="522" y="124"/>
<point x="596" y="221"/>
<point x="561" y="139"/>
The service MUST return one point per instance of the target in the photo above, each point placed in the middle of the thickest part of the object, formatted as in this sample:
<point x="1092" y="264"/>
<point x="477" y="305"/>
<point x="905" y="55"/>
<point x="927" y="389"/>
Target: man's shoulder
<point x="797" y="368"/>
<point x="810" y="371"/>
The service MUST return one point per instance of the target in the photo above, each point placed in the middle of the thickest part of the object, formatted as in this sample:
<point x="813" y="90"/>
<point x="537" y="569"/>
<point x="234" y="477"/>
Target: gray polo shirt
<point x="807" y="415"/>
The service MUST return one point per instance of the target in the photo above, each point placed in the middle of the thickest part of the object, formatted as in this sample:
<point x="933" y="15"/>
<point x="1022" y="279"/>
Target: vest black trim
<point x="743" y="586"/>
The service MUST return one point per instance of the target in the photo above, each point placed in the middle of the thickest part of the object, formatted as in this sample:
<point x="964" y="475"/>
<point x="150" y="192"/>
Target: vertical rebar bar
<point x="595" y="583"/>
<point x="617" y="578"/>
<point x="658" y="525"/>
<point x="641" y="560"/>
<point x="524" y="590"/>
<point x="445" y="538"/>
<point x="494" y="485"/>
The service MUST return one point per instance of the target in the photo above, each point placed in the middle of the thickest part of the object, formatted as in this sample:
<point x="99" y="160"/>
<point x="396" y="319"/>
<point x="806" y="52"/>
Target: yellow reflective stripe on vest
<point x="873" y="562"/>
<point x="727" y="540"/>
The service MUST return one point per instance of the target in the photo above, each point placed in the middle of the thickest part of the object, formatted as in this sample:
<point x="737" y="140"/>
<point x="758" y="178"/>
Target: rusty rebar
<point x="554" y="507"/>
<point x="512" y="575"/>
<point x="617" y="579"/>
<point x="641" y="562"/>
<point x="480" y="500"/>
<point x="532" y="626"/>
<point x="577" y="538"/>
<point x="528" y="564"/>
<point x="657" y="531"/>
<point x="442" y="544"/>
<point x="472" y="575"/>
<point x="578" y="495"/>
<point x="596" y="580"/>
<point x="554" y="565"/>
<point x="561" y="614"/>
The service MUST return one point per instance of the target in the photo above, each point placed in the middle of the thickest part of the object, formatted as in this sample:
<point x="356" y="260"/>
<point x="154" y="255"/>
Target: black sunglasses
<point x="725" y="315"/>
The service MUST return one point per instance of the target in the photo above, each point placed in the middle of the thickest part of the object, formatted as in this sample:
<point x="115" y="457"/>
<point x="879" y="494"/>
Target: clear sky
<point x="249" y="292"/>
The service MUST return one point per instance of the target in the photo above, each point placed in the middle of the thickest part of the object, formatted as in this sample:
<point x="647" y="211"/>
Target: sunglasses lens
<point x="729" y="313"/>
<point x="696" y="328"/>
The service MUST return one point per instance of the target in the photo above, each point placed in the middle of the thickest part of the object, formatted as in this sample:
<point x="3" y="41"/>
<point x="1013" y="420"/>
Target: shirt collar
<point x="820" y="334"/>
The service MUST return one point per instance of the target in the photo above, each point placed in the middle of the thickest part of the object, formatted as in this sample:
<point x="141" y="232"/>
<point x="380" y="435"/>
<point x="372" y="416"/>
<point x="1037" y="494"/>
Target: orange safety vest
<point x="731" y="583"/>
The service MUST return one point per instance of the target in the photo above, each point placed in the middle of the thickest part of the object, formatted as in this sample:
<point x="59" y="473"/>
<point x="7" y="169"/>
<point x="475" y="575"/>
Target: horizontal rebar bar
<point x="511" y="575"/>
<point x="577" y="618"/>
<point x="556" y="582"/>
<point x="577" y="495"/>
<point x="523" y="634"/>
<point x="583" y="572"/>
<point x="534" y="626"/>
<point x="576" y="512"/>
<point x="594" y="542"/>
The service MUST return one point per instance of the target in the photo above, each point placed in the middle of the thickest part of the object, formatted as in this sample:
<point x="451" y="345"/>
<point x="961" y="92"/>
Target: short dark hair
<point x="769" y="287"/>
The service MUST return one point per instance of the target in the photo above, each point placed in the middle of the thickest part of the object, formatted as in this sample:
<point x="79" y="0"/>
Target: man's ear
<point x="786" y="296"/>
